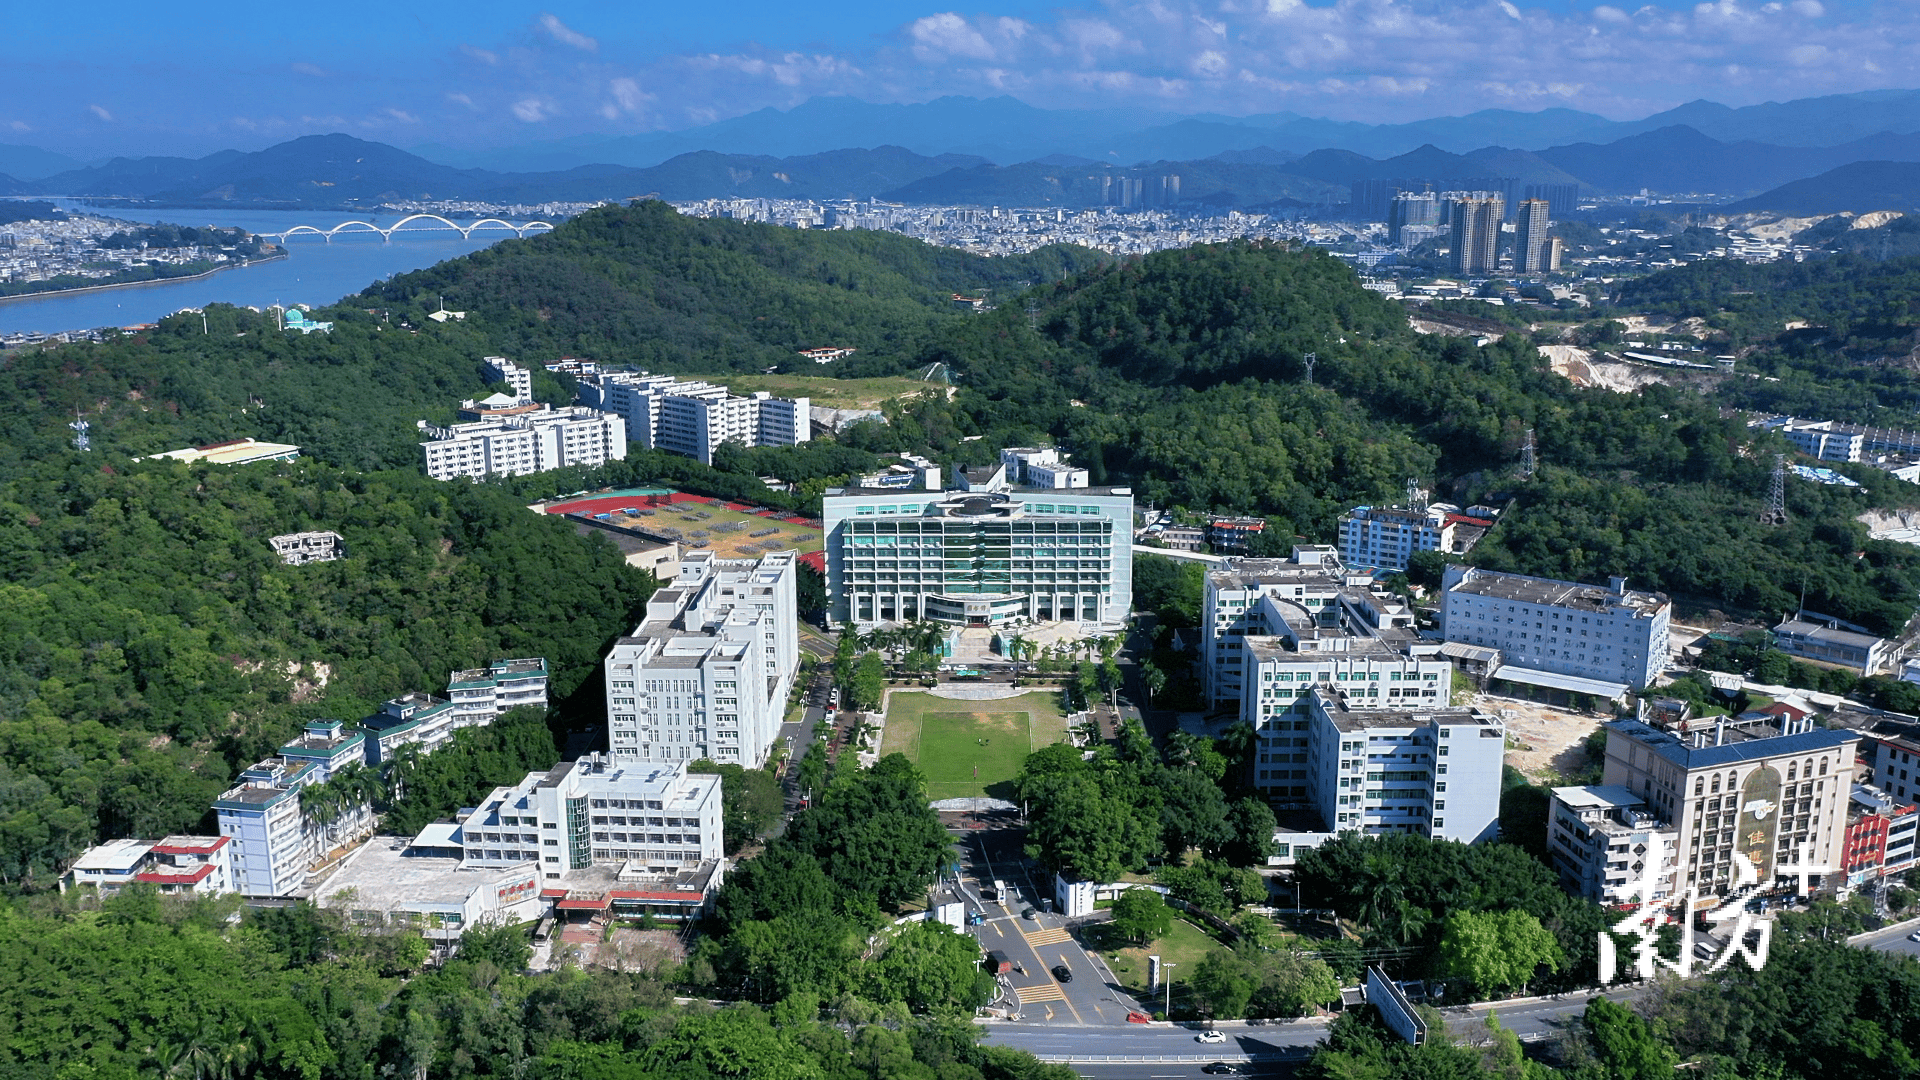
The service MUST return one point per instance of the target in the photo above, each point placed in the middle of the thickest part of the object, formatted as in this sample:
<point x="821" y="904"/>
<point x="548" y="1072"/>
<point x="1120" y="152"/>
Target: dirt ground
<point x="1580" y="367"/>
<point x="1542" y="741"/>
<point x="627" y="949"/>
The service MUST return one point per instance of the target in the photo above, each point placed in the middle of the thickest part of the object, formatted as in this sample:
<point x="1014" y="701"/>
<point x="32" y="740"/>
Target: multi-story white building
<point x="1604" y="840"/>
<point x="1310" y="606"/>
<point x="328" y="746"/>
<point x="1896" y="767"/>
<point x="299" y="549"/>
<point x="506" y="371"/>
<point x="176" y="864"/>
<point x="414" y="719"/>
<point x="272" y="846"/>
<point x="478" y="695"/>
<point x="695" y="418"/>
<point x="707" y="673"/>
<point x="1810" y="640"/>
<point x="530" y="442"/>
<point x="1041" y="467"/>
<point x="598" y="811"/>
<point x="1750" y="790"/>
<point x="1386" y="537"/>
<point x="1609" y="636"/>
<point x="980" y="556"/>
<point x="1432" y="772"/>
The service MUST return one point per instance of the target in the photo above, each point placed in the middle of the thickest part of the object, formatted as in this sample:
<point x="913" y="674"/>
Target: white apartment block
<point x="272" y="846"/>
<point x="506" y="371"/>
<point x="1309" y="601"/>
<point x="478" y="695"/>
<point x="1765" y="796"/>
<point x="980" y="556"/>
<point x="1431" y="772"/>
<point x="707" y="673"/>
<point x="1606" y="635"/>
<point x="1607" y="844"/>
<point x="1041" y="467"/>
<point x="597" y="811"/>
<point x="695" y="418"/>
<point x="530" y="442"/>
<point x="1385" y="537"/>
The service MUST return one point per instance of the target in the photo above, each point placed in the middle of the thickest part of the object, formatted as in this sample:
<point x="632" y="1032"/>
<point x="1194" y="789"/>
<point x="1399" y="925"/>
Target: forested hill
<point x="645" y="285"/>
<point x="1182" y="373"/>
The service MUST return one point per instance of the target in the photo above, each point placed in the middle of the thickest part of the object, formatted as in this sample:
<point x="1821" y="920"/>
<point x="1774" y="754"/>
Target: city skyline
<point x="145" y="80"/>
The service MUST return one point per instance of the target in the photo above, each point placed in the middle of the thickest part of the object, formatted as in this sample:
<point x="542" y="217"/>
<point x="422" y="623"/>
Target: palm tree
<point x="405" y="762"/>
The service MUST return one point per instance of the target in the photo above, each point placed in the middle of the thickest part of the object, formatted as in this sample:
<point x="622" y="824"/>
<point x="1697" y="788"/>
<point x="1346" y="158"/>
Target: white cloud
<point x="627" y="94"/>
<point x="101" y="112"/>
<point x="20" y="125"/>
<point x="947" y="34"/>
<point x="485" y="56"/>
<point x="566" y="35"/>
<point x="303" y="68"/>
<point x="461" y="99"/>
<point x="403" y="116"/>
<point x="530" y="110"/>
<point x="1812" y="9"/>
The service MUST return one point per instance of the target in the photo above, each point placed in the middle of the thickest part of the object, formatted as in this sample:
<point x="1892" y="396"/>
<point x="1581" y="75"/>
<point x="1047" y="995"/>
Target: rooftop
<point x="1332" y="702"/>
<point x="1599" y="797"/>
<point x="1813" y="631"/>
<point x="1742" y="747"/>
<point x="1563" y="594"/>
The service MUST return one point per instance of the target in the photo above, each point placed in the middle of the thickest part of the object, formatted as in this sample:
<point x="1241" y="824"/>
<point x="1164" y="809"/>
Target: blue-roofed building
<point x="1766" y="789"/>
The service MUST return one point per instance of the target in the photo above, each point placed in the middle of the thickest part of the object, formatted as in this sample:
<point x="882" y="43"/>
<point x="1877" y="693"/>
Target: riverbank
<point x="111" y="285"/>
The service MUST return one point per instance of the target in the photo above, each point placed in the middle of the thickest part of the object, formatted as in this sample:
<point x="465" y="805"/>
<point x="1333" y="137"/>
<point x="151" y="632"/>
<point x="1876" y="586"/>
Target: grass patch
<point x="1183" y="947"/>
<point x="970" y="748"/>
<point x="824" y="391"/>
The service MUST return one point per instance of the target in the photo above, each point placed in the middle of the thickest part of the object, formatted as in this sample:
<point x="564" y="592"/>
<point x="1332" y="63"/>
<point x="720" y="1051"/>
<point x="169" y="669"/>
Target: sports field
<point x="697" y="523"/>
<point x="971" y="747"/>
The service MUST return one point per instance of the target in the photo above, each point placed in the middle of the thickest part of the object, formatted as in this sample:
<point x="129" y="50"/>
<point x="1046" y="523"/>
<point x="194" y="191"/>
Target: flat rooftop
<point x="1599" y="797"/>
<point x="1813" y="631"/>
<point x="1563" y="594"/>
<point x="383" y="877"/>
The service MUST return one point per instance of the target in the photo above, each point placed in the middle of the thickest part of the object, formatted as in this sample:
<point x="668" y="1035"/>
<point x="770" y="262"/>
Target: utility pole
<point x="1164" y="968"/>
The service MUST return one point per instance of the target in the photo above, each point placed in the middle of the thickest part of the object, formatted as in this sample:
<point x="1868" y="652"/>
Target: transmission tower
<point x="1416" y="498"/>
<point x="1033" y="315"/>
<point x="1528" y="464"/>
<point x="1311" y="358"/>
<point x="80" y="439"/>
<point x="1776" y="511"/>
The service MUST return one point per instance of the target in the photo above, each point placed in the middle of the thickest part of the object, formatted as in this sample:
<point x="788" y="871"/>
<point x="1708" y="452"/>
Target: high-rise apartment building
<point x="526" y="443"/>
<point x="1415" y="208"/>
<point x="695" y="418"/>
<point x="1532" y="252"/>
<point x="982" y="555"/>
<point x="1563" y="199"/>
<point x="1476" y="234"/>
<point x="706" y="673"/>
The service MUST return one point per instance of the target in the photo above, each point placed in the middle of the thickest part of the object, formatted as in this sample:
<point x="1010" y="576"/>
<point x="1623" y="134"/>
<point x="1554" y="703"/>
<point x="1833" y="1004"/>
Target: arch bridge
<point x="432" y="223"/>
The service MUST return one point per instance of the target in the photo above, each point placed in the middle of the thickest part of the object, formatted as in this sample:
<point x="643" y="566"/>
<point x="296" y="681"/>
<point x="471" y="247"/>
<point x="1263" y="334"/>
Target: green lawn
<point x="969" y="747"/>
<point x="1183" y="947"/>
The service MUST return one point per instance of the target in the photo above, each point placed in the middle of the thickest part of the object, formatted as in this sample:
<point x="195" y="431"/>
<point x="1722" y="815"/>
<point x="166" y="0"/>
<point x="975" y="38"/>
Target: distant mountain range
<point x="342" y="171"/>
<point x="1007" y="132"/>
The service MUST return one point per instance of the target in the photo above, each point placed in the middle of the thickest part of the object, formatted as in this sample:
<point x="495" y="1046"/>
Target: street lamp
<point x="1164" y="968"/>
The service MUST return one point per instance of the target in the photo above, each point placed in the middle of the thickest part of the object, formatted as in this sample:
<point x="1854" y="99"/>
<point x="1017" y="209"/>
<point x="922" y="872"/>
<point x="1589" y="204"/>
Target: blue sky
<point x="91" y="77"/>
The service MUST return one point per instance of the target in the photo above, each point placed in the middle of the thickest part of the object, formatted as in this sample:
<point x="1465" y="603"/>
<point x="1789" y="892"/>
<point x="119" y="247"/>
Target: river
<point x="315" y="272"/>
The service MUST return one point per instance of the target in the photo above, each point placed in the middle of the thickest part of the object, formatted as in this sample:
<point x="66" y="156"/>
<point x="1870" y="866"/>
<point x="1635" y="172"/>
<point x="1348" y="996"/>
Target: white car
<point x="1211" y="1037"/>
<point x="1915" y="936"/>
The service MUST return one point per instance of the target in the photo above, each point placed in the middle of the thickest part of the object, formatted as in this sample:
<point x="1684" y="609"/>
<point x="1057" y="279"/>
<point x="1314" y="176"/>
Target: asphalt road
<point x="1893" y="939"/>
